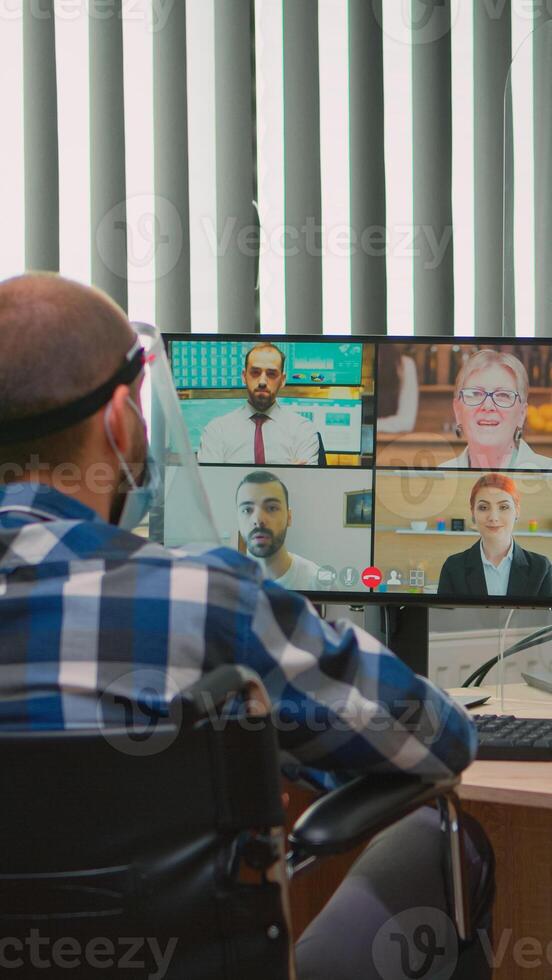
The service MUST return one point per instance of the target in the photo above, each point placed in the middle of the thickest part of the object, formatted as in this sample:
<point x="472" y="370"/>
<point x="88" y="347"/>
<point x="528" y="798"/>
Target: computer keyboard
<point x="508" y="737"/>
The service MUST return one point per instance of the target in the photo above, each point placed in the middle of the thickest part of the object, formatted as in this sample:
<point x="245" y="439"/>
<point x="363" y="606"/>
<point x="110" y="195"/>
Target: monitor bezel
<point x="372" y="597"/>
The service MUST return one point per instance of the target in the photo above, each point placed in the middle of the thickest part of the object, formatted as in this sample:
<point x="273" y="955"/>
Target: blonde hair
<point x="489" y="358"/>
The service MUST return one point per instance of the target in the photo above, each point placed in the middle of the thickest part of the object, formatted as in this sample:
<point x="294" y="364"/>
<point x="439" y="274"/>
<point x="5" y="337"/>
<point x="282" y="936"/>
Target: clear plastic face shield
<point x="179" y="513"/>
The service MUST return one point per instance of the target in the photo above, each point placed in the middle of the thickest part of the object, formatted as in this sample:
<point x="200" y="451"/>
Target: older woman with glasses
<point x="490" y="405"/>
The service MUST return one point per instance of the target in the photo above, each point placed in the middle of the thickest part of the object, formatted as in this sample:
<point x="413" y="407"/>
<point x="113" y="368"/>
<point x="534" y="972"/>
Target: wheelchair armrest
<point x="357" y="811"/>
<point x="214" y="688"/>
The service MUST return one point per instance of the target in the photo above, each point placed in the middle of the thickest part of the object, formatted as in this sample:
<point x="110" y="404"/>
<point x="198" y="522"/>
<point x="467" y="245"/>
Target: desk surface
<point x="517" y="783"/>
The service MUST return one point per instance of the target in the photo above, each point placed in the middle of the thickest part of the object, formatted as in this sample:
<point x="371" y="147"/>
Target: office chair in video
<point x="322" y="461"/>
<point x="161" y="851"/>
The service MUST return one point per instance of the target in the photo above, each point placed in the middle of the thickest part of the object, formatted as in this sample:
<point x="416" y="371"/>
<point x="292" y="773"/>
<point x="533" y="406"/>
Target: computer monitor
<point x="388" y="470"/>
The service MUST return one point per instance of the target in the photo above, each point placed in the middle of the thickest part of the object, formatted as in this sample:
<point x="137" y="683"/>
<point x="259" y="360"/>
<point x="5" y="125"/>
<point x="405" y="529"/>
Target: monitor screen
<point x="351" y="469"/>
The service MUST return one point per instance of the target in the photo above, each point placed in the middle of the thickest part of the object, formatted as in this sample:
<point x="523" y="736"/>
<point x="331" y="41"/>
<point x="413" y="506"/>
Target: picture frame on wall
<point x="358" y="508"/>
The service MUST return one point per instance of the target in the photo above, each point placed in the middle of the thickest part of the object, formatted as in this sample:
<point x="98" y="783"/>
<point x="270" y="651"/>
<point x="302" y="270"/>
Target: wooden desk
<point x="512" y="801"/>
<point x="512" y="783"/>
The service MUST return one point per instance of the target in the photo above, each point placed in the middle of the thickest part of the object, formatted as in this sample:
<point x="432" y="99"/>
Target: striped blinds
<point x="40" y="139"/>
<point x="324" y="166"/>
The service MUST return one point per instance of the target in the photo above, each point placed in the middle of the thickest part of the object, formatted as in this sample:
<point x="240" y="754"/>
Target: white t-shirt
<point x="301" y="575"/>
<point x="287" y="436"/>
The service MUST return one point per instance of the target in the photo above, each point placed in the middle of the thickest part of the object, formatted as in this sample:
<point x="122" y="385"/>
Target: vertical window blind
<point x="331" y="166"/>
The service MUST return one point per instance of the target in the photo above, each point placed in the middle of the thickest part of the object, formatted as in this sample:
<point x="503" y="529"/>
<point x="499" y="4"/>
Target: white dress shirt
<point x="524" y="459"/>
<point x="497" y="576"/>
<point x="287" y="436"/>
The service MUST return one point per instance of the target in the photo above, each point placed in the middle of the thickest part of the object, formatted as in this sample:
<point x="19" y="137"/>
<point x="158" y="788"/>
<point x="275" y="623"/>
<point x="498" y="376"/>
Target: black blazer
<point x="463" y="575"/>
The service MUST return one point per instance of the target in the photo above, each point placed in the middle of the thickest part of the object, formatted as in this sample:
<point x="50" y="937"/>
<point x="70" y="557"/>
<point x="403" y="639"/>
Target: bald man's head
<point x="58" y="341"/>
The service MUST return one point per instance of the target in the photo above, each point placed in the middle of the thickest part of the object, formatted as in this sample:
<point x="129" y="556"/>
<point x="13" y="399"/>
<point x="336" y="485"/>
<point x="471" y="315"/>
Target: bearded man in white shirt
<point x="264" y="516"/>
<point x="261" y="431"/>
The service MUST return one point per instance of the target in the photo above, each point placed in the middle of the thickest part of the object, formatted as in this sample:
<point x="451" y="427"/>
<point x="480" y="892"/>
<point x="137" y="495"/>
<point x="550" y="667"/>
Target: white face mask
<point x="140" y="497"/>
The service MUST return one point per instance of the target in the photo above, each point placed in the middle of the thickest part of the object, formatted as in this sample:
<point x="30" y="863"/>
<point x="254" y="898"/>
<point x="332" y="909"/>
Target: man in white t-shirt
<point x="263" y="519"/>
<point x="261" y="431"/>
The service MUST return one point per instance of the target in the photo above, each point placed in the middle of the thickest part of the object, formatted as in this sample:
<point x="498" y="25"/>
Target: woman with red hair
<point x="496" y="564"/>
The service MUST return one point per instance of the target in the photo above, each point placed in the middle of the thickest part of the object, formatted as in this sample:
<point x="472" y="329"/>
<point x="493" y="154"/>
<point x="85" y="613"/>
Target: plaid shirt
<point x="90" y="613"/>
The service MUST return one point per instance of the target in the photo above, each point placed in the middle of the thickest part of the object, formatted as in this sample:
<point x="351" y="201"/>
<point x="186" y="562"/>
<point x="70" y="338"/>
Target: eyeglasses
<point x="501" y="397"/>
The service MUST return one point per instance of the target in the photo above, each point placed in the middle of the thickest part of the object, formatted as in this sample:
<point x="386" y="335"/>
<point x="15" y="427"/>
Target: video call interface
<point x="350" y="467"/>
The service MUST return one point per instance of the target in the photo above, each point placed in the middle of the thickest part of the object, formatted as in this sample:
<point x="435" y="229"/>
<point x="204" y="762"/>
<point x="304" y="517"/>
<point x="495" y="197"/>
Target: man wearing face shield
<point x="74" y="474"/>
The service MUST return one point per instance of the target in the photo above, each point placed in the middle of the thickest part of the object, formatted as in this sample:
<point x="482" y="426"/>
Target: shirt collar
<point x="273" y="410"/>
<point x="507" y="557"/>
<point x="42" y="498"/>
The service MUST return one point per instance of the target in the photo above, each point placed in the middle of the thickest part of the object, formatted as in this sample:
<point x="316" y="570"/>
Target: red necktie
<point x="258" y="445"/>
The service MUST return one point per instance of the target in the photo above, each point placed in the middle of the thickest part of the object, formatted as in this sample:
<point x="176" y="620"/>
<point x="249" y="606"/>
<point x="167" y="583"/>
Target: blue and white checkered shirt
<point x="89" y="612"/>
